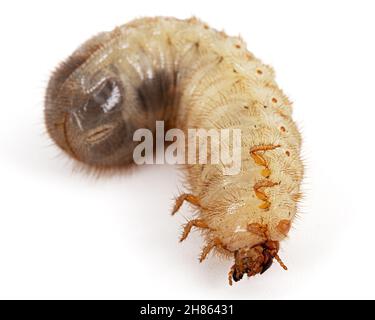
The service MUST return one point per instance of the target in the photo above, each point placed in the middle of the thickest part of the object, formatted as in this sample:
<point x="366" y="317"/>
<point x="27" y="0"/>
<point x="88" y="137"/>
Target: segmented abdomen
<point x="221" y="85"/>
<point x="216" y="83"/>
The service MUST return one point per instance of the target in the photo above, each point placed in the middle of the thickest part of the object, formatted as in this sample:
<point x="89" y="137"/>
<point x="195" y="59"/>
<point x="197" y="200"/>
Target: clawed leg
<point x="260" y="160"/>
<point x="184" y="197"/>
<point x="198" y="223"/>
<point x="206" y="250"/>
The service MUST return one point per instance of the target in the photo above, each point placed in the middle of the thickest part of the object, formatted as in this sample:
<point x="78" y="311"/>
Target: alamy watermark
<point x="200" y="146"/>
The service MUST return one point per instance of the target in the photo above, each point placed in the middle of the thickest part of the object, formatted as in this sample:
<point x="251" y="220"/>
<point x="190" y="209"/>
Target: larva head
<point x="84" y="108"/>
<point x="251" y="261"/>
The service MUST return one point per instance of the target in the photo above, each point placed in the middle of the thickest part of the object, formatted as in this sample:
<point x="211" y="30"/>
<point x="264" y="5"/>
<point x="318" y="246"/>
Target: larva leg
<point x="193" y="223"/>
<point x="259" y="159"/>
<point x="260" y="193"/>
<point x="206" y="250"/>
<point x="264" y="147"/>
<point x="259" y="229"/>
<point x="184" y="197"/>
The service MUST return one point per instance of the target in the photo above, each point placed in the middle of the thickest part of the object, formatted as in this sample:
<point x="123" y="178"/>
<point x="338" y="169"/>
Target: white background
<point x="66" y="235"/>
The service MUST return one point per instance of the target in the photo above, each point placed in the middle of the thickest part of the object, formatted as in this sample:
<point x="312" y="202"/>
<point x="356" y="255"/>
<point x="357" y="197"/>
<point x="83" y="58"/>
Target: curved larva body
<point x="191" y="76"/>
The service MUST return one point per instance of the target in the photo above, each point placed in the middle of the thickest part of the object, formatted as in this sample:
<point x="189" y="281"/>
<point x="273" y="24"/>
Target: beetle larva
<point x="190" y="76"/>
